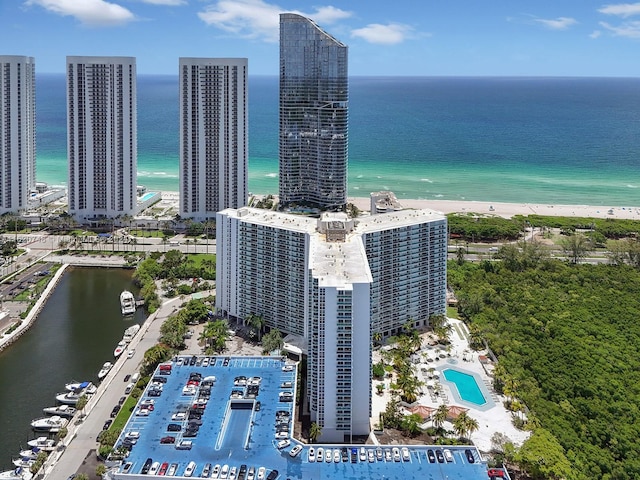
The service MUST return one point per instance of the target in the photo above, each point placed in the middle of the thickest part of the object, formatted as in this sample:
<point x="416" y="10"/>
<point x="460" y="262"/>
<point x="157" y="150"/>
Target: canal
<point x="75" y="333"/>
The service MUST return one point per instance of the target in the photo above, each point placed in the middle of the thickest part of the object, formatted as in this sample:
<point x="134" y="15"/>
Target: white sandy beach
<point x="508" y="210"/>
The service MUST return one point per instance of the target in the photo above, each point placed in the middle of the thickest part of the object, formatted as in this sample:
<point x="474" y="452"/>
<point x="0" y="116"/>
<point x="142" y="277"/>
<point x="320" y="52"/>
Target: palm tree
<point x="411" y="424"/>
<point x="314" y="432"/>
<point x="464" y="425"/>
<point x="440" y="416"/>
<point x="256" y="322"/>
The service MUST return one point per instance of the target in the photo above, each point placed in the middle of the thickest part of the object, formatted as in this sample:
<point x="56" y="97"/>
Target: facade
<point x="102" y="137"/>
<point x="334" y="281"/>
<point x="17" y="132"/>
<point x="213" y="135"/>
<point x="313" y="115"/>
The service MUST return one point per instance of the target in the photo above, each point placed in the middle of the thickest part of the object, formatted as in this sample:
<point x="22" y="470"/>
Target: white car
<point x="336" y="456"/>
<point x="131" y="353"/>
<point x="132" y="435"/>
<point x="283" y="444"/>
<point x="396" y="454"/>
<point x="312" y="455"/>
<point x="295" y="451"/>
<point x="287" y="368"/>
<point x="154" y="468"/>
<point x="282" y="435"/>
<point x="320" y="455"/>
<point x="405" y="454"/>
<point x="176" y="417"/>
<point x="371" y="456"/>
<point x="142" y="412"/>
<point x="216" y="472"/>
<point x="224" y="471"/>
<point x="261" y="473"/>
<point x="363" y="454"/>
<point x="188" y="472"/>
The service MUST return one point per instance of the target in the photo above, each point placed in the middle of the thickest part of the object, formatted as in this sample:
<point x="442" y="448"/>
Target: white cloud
<point x="560" y="23"/>
<point x="627" y="29"/>
<point x="390" y="34"/>
<point x="257" y="19"/>
<point x="94" y="13"/>
<point x="595" y="34"/>
<point x="166" y="2"/>
<point x="623" y="10"/>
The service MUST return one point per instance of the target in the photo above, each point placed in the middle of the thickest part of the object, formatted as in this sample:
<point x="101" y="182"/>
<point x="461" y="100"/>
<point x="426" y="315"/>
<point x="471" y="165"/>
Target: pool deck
<point x="252" y="442"/>
<point x="492" y="417"/>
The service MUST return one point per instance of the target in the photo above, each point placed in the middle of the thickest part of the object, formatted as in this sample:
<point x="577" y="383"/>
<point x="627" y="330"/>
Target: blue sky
<point x="385" y="37"/>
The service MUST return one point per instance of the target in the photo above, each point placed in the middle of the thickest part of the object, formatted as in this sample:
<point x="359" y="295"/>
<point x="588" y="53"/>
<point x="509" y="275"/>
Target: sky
<point x="385" y="37"/>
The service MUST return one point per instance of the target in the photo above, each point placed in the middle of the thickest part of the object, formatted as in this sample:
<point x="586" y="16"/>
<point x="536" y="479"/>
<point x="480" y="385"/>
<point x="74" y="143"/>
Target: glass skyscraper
<point x="313" y="115"/>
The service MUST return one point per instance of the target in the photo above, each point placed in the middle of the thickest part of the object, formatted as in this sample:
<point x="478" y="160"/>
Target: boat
<point x="130" y="332"/>
<point x="121" y="347"/>
<point x="68" y="398"/>
<point x="127" y="303"/>
<point x="16" y="474"/>
<point x="43" y="443"/>
<point x="49" y="424"/>
<point x="104" y="370"/>
<point x="64" y="410"/>
<point x="24" y="462"/>
<point x="81" y="387"/>
<point x="31" y="453"/>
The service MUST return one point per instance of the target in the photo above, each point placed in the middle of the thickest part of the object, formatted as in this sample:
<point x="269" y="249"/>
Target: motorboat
<point x="31" y="453"/>
<point x="127" y="303"/>
<point x="81" y="387"/>
<point x="121" y="347"/>
<point x="68" y="398"/>
<point x="24" y="463"/>
<point x="130" y="332"/>
<point x="104" y="370"/>
<point x="43" y="443"/>
<point x="49" y="424"/>
<point x="64" y="410"/>
<point x="18" y="473"/>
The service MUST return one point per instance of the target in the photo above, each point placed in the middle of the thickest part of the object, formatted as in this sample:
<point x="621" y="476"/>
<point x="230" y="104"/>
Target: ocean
<point x="516" y="139"/>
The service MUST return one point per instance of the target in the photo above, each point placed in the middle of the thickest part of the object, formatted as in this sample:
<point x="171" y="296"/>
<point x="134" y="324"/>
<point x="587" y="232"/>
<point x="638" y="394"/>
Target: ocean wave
<point x="632" y="186"/>
<point x="360" y="176"/>
<point x="271" y="175"/>
<point x="426" y="180"/>
<point x="157" y="174"/>
<point x="438" y="195"/>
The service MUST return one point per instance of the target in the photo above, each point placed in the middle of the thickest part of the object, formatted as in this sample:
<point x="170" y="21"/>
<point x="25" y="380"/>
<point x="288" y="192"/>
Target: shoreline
<point x="508" y="210"/>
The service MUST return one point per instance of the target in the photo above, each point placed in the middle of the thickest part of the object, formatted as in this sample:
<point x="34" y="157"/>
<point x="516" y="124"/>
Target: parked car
<point x="431" y="456"/>
<point x="168" y="439"/>
<point x="115" y="410"/>
<point x="174" y="427"/>
<point x="469" y="454"/>
<point x="184" y="445"/>
<point x="295" y="451"/>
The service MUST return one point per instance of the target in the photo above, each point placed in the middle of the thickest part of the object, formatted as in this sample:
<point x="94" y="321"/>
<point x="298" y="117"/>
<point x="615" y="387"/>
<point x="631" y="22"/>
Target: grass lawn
<point x="452" y="312"/>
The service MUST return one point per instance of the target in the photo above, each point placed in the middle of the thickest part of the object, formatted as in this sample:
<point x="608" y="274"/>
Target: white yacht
<point x="32" y="453"/>
<point x="130" y="332"/>
<point x="104" y="370"/>
<point x="121" y="347"/>
<point x="81" y="387"/>
<point x="49" y="424"/>
<point x="43" y="443"/>
<point x="68" y="398"/>
<point x="63" y="410"/>
<point x="24" y="463"/>
<point x="127" y="303"/>
<point x="16" y="474"/>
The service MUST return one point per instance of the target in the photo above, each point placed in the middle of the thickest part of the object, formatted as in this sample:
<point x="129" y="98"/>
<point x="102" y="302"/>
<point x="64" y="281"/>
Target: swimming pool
<point x="147" y="196"/>
<point x="467" y="386"/>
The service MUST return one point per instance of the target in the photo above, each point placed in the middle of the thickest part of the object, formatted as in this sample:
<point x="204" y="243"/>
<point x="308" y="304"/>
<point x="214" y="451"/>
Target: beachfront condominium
<point x="313" y="115"/>
<point x="101" y="137"/>
<point x="333" y="282"/>
<point x="213" y="135"/>
<point x="17" y="132"/>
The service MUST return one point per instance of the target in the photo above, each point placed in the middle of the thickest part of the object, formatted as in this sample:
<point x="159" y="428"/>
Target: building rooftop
<point x="236" y="431"/>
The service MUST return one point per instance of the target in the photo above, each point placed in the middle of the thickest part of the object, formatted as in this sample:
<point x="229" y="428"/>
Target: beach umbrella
<point x="422" y="410"/>
<point x="455" y="411"/>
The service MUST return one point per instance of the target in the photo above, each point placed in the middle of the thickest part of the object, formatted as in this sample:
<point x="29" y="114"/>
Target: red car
<point x="168" y="439"/>
<point x="163" y="468"/>
<point x="495" y="473"/>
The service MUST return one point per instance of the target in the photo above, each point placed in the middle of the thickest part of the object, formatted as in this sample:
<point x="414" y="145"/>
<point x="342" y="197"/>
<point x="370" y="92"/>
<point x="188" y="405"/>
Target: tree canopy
<point x="567" y="339"/>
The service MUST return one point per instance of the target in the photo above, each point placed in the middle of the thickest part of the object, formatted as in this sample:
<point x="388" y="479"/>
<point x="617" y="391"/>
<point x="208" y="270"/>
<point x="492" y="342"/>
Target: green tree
<point x="543" y="457"/>
<point x="82" y="402"/>
<point x="440" y="416"/>
<point x="315" y="431"/>
<point x="256" y="322"/>
<point x="411" y="424"/>
<point x="272" y="341"/>
<point x="575" y="247"/>
<point x="101" y="469"/>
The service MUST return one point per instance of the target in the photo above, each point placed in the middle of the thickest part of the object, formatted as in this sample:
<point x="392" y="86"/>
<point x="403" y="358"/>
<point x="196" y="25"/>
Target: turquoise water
<point x="147" y="196"/>
<point x="467" y="387"/>
<point x="538" y="140"/>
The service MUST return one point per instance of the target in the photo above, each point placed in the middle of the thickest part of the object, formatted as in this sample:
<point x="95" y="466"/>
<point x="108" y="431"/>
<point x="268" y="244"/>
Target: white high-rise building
<point x="17" y="132"/>
<point x="102" y="137"/>
<point x="213" y="135"/>
<point x="333" y="281"/>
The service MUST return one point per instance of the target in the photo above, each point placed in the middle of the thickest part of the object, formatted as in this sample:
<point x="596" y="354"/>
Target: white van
<point x="129" y="388"/>
<point x="188" y="472"/>
<point x="135" y="377"/>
